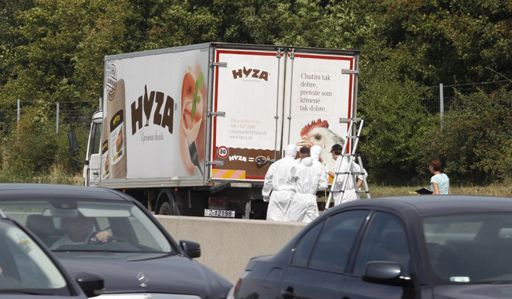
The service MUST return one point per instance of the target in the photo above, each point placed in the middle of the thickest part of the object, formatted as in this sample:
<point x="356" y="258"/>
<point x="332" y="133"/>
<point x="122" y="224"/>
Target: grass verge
<point x="502" y="189"/>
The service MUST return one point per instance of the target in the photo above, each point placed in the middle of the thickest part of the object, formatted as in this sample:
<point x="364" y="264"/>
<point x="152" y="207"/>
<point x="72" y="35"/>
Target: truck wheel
<point x="167" y="204"/>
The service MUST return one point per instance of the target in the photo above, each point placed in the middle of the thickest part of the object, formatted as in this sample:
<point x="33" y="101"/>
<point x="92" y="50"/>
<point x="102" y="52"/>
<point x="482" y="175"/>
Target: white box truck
<point x="192" y="130"/>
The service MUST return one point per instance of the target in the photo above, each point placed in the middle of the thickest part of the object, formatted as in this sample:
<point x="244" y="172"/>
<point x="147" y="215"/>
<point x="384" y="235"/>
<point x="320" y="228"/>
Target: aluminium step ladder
<point x="345" y="170"/>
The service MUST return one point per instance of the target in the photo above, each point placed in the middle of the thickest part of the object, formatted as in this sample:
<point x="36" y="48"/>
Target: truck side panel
<point x="155" y="117"/>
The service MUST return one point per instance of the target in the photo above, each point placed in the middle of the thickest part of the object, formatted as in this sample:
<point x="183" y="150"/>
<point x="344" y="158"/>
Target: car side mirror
<point x="383" y="272"/>
<point x="192" y="249"/>
<point x="91" y="284"/>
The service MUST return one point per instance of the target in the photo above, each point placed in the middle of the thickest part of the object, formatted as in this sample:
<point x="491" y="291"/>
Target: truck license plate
<point x="219" y="213"/>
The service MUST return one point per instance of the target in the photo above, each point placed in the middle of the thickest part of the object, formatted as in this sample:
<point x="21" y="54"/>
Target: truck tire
<point x="167" y="204"/>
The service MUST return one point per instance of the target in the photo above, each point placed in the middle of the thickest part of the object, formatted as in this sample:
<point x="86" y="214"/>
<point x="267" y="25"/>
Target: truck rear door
<point x="320" y="89"/>
<point x="246" y="130"/>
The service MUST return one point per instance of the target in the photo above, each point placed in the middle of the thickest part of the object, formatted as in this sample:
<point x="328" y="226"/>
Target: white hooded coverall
<point x="278" y="189"/>
<point x="350" y="190"/>
<point x="316" y="150"/>
<point x="308" y="180"/>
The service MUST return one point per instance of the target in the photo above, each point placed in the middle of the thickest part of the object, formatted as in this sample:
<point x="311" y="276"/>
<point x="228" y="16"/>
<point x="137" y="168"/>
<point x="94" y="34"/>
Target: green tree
<point x="8" y="39"/>
<point x="31" y="146"/>
<point x="396" y="121"/>
<point x="59" y="58"/>
<point x="448" y="41"/>
<point x="475" y="142"/>
<point x="62" y="54"/>
<point x="53" y="50"/>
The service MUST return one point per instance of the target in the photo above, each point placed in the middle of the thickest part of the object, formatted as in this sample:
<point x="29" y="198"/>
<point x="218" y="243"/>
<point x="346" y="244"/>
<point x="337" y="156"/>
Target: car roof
<point x="40" y="191"/>
<point x="432" y="205"/>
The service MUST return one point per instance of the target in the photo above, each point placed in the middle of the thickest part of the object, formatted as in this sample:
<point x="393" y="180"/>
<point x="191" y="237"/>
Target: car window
<point x="471" y="248"/>
<point x="303" y="248"/>
<point x="335" y="242"/>
<point x="25" y="267"/>
<point x="88" y="225"/>
<point x="385" y="240"/>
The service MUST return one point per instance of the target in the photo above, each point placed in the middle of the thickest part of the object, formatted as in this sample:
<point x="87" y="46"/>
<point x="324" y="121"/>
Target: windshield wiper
<point x="500" y="282"/>
<point x="492" y="282"/>
<point x="25" y="292"/>
<point x="93" y="250"/>
<point x="107" y="250"/>
<point x="158" y="255"/>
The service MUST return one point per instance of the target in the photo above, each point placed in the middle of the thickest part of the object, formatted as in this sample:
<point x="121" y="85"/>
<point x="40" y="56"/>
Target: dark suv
<point x="110" y="234"/>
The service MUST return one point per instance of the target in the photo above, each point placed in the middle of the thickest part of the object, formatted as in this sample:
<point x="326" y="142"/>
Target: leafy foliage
<point x="475" y="141"/>
<point x="53" y="50"/>
<point x="395" y="124"/>
<point x="32" y="146"/>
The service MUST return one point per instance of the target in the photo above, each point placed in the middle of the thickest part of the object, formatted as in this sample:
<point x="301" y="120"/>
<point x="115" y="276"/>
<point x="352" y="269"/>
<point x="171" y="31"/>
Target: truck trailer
<point x="192" y="130"/>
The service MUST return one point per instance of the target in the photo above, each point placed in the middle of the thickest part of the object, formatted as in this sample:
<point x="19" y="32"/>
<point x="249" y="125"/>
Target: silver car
<point x="28" y="270"/>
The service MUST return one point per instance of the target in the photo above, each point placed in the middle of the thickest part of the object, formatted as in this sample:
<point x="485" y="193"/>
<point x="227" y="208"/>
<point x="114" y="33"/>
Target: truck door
<point x="320" y="89"/>
<point x="247" y="112"/>
<point x="91" y="171"/>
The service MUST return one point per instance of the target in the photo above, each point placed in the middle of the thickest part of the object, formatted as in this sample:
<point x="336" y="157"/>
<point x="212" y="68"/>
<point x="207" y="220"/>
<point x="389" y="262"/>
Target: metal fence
<point x="444" y="97"/>
<point x="71" y="113"/>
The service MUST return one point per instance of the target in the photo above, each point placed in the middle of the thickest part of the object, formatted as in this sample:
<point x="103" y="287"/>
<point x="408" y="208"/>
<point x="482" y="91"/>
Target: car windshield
<point x="473" y="248"/>
<point x="89" y="225"/>
<point x="24" y="267"/>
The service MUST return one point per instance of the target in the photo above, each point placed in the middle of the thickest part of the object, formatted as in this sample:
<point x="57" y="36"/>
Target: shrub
<point x="31" y="146"/>
<point x="475" y="142"/>
<point x="395" y="123"/>
<point x="69" y="160"/>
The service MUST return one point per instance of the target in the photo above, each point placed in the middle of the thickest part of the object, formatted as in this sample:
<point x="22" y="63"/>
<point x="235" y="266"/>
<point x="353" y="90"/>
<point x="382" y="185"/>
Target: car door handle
<point x="288" y="293"/>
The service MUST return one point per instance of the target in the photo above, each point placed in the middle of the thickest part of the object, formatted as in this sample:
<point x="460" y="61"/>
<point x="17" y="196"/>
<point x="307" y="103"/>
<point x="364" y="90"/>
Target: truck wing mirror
<point x="72" y="141"/>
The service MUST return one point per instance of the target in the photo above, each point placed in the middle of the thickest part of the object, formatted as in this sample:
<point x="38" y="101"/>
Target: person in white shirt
<point x="439" y="182"/>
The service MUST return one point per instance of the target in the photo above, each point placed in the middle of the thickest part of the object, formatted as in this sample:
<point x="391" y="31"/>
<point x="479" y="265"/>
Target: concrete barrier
<point x="228" y="244"/>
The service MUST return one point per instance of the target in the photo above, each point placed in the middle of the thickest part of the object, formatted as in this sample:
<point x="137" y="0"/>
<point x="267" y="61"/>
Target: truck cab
<point x="91" y="169"/>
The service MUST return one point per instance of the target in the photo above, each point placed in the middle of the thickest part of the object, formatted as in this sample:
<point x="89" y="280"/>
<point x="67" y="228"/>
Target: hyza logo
<point x="143" y="112"/>
<point x="249" y="73"/>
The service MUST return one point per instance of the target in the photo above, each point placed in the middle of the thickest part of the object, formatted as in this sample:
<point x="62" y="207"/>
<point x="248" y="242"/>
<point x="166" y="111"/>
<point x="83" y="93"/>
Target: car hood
<point x="147" y="273"/>
<point x="487" y="291"/>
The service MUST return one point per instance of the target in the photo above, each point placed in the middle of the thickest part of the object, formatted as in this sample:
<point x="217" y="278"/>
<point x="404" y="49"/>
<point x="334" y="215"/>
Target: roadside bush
<point x="476" y="141"/>
<point x="30" y="147"/>
<point x="395" y="122"/>
<point x="71" y="147"/>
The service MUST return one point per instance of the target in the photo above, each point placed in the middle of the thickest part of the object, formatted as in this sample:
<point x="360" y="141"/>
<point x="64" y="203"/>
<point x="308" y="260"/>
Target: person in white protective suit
<point x="316" y="150"/>
<point x="309" y="177"/>
<point x="278" y="189"/>
<point x="342" y="165"/>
